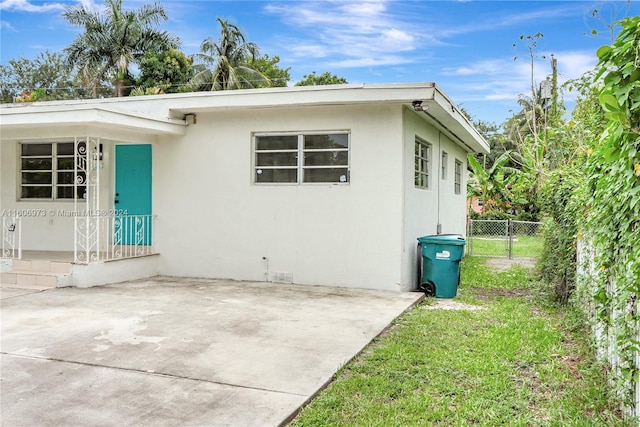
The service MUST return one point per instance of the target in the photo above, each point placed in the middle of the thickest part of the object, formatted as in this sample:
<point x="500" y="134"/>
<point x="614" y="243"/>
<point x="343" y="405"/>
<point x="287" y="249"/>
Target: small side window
<point x="457" y="182"/>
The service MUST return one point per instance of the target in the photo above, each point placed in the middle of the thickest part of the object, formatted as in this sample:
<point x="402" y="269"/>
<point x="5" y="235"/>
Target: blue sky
<point x="466" y="47"/>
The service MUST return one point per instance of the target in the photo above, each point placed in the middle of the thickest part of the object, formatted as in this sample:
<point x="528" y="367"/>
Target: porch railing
<point x="107" y="238"/>
<point x="11" y="237"/>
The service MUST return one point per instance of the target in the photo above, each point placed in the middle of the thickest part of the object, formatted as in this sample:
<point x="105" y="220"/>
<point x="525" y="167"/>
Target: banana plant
<point x="493" y="184"/>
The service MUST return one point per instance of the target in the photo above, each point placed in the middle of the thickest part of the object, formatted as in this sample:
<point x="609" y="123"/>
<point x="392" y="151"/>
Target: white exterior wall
<point x="214" y="222"/>
<point x="41" y="228"/>
<point x="424" y="209"/>
<point x="48" y="225"/>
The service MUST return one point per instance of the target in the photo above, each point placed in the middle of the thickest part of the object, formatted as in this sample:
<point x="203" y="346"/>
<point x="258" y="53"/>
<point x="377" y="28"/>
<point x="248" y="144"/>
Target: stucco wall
<point x="214" y="222"/>
<point x="49" y="225"/>
<point x="424" y="209"/>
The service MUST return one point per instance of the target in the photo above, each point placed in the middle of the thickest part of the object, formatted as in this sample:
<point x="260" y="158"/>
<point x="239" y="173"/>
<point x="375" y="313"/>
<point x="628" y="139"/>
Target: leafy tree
<point x="499" y="142"/>
<point x="115" y="39"/>
<point x="46" y="77"/>
<point x="268" y="66"/>
<point x="325" y="78"/>
<point x="169" y="71"/>
<point x="492" y="184"/>
<point x="226" y="63"/>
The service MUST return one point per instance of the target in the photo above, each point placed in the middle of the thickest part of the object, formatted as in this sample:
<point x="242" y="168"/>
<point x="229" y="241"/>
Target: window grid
<point x="422" y="163"/>
<point x="457" y="185"/>
<point x="310" y="161"/>
<point x="47" y="171"/>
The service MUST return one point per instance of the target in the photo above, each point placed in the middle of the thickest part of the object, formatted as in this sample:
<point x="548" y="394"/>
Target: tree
<point x="169" y="71"/>
<point x="115" y="39"/>
<point x="492" y="184"/>
<point x="325" y="78"/>
<point x="226" y="63"/>
<point x="268" y="66"/>
<point x="532" y="46"/>
<point x="499" y="143"/>
<point x="46" y="77"/>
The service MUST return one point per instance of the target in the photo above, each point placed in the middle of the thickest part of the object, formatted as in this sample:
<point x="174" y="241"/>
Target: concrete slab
<point x="10" y="291"/>
<point x="174" y="351"/>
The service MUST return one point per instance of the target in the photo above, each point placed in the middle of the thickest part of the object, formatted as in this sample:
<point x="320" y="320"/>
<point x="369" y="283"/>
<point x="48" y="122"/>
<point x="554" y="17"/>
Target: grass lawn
<point x="523" y="246"/>
<point x="520" y="360"/>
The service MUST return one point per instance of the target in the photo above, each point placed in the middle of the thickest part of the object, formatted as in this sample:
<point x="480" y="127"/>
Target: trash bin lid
<point x="443" y="239"/>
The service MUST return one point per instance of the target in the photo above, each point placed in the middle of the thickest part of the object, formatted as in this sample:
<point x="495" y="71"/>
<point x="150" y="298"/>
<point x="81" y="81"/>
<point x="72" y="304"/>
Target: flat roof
<point x="164" y="114"/>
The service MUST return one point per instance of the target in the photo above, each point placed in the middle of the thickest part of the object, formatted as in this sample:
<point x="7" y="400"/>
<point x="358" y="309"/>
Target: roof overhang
<point x="25" y="121"/>
<point x="437" y="106"/>
<point x="133" y="117"/>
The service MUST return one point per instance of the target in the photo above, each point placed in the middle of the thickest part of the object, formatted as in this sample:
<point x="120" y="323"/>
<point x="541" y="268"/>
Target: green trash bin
<point x="441" y="255"/>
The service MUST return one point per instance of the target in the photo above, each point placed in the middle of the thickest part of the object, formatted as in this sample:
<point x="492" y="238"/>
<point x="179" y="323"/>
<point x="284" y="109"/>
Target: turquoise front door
<point x="132" y="201"/>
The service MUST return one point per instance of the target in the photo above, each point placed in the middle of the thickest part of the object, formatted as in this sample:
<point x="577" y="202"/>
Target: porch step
<point x="35" y="274"/>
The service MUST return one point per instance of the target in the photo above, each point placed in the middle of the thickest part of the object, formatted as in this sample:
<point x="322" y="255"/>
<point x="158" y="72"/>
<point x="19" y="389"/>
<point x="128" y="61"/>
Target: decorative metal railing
<point x="11" y="237"/>
<point x="106" y="238"/>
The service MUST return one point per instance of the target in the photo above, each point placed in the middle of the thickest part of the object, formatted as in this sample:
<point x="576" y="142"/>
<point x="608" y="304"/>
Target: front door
<point x="133" y="194"/>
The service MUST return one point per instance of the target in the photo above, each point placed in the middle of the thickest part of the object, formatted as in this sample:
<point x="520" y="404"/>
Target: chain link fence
<point x="504" y="238"/>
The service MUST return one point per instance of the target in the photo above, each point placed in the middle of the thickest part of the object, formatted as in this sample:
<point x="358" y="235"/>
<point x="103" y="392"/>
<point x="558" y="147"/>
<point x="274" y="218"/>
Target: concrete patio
<point x="174" y="351"/>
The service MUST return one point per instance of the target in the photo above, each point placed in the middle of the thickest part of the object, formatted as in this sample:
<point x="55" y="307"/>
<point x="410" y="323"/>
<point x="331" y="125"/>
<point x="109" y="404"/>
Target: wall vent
<point x="281" y="277"/>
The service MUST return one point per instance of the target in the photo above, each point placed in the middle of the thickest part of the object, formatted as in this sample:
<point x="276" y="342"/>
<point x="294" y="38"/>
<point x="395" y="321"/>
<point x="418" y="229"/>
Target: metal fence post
<point x="470" y="236"/>
<point x="510" y="238"/>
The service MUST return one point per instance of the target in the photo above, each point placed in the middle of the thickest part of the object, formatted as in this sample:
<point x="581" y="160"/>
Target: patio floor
<point x="176" y="351"/>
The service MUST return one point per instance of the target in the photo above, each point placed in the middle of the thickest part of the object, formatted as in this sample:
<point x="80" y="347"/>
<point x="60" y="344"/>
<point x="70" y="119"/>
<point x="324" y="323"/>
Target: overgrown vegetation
<point x="518" y="360"/>
<point x="611" y="286"/>
<point x="583" y="177"/>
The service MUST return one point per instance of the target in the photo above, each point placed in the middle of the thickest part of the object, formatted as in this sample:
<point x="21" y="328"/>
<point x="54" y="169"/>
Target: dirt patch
<point x="503" y="264"/>
<point x="447" y="304"/>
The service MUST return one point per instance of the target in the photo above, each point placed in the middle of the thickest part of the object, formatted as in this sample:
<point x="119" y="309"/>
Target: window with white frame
<point x="443" y="165"/>
<point x="301" y="158"/>
<point x="457" y="182"/>
<point x="47" y="171"/>
<point x="422" y="163"/>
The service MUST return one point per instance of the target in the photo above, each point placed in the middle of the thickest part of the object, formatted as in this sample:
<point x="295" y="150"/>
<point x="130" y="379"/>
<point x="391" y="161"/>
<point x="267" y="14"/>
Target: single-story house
<point x="322" y="185"/>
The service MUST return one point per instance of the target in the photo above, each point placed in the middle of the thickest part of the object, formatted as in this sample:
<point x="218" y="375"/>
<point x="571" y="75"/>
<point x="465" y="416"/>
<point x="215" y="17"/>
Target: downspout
<point x="438" y="175"/>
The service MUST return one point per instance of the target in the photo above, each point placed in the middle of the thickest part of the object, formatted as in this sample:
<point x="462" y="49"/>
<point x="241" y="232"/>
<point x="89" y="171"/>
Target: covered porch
<point x="76" y="189"/>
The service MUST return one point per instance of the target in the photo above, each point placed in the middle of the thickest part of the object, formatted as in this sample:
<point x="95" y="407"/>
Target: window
<point x="301" y="158"/>
<point x="422" y="160"/>
<point x="47" y="171"/>
<point x="443" y="165"/>
<point x="457" y="182"/>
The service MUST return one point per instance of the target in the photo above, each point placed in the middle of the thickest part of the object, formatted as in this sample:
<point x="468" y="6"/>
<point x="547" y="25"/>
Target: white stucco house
<point x="323" y="185"/>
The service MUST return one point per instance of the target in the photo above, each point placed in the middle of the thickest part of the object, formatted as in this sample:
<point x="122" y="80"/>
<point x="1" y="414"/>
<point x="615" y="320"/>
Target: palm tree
<point x="115" y="39"/>
<point x="226" y="62"/>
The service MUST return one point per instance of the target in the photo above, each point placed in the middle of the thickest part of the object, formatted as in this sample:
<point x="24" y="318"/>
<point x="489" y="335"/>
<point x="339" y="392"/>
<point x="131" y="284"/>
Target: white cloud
<point x="26" y="6"/>
<point x="573" y="64"/>
<point x="308" y="50"/>
<point x="377" y="61"/>
<point x="502" y="79"/>
<point x="493" y="20"/>
<point x="5" y="25"/>
<point x="490" y="67"/>
<point x="350" y="34"/>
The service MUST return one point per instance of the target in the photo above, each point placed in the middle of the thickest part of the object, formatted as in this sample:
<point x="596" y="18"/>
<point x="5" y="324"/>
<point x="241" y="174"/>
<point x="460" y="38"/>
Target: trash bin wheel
<point x="429" y="288"/>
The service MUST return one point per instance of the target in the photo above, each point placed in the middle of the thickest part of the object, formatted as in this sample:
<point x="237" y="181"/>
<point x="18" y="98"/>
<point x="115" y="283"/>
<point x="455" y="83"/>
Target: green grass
<point x="523" y="246"/>
<point x="521" y="361"/>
